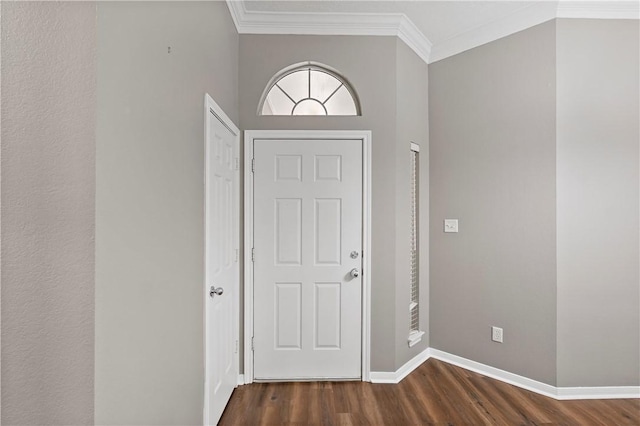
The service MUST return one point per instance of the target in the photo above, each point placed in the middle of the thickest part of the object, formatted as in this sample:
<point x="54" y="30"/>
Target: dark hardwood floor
<point x="436" y="393"/>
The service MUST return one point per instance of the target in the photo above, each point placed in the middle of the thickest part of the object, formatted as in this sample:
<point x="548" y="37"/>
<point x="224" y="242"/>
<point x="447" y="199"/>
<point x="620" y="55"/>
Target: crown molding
<point x="237" y="11"/>
<point x="599" y="9"/>
<point x="369" y="24"/>
<point x="519" y="20"/>
<point x="414" y="38"/>
<point x="399" y="25"/>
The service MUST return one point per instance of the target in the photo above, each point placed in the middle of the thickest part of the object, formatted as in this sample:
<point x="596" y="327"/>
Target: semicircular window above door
<point x="309" y="89"/>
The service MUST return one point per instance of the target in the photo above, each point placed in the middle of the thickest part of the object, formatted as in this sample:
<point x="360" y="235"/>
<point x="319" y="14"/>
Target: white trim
<point x="522" y="18"/>
<point x="598" y="392"/>
<point x="414" y="147"/>
<point x="211" y="107"/>
<point x="368" y="24"/>
<point x="599" y="9"/>
<point x="249" y="137"/>
<point x="367" y="180"/>
<point x="402" y="372"/>
<point x="495" y="373"/>
<point x="529" y="16"/>
<point x="414" y="38"/>
<point x="237" y="11"/>
<point x="248" y="262"/>
<point x="559" y="393"/>
<point x="415" y="337"/>
<point x="240" y="379"/>
<point x="398" y="24"/>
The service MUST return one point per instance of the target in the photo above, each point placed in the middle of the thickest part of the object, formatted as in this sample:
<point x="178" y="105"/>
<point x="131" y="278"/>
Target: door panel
<point x="288" y="315"/>
<point x="328" y="231"/>
<point x="288" y="231"/>
<point x="326" y="318"/>
<point x="307" y="221"/>
<point x="221" y="265"/>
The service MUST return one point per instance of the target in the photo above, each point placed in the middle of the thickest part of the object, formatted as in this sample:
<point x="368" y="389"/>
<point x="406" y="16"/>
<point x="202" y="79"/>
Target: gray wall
<point x="48" y="188"/>
<point x="412" y="126"/>
<point x="150" y="210"/>
<point x="493" y="163"/>
<point x="598" y="206"/>
<point x="369" y="64"/>
<point x="492" y="137"/>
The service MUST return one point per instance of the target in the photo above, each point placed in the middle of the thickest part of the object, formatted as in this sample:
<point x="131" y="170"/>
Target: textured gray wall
<point x="492" y="137"/>
<point x="493" y="167"/>
<point x="48" y="191"/>
<point x="150" y="208"/>
<point x="412" y="126"/>
<point x="370" y="65"/>
<point x="598" y="206"/>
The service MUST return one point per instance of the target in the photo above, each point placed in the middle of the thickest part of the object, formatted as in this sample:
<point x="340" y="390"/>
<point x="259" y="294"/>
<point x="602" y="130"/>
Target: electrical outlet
<point x="496" y="334"/>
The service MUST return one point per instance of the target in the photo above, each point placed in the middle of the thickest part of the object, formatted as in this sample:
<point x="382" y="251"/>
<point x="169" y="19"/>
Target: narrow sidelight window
<point x="415" y="335"/>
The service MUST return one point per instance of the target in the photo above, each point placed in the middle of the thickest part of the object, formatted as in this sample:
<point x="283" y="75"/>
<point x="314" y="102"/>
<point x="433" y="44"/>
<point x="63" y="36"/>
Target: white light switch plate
<point x="451" y="225"/>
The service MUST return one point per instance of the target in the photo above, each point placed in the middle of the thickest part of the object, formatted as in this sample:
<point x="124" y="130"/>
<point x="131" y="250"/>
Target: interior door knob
<point x="355" y="273"/>
<point x="215" y="291"/>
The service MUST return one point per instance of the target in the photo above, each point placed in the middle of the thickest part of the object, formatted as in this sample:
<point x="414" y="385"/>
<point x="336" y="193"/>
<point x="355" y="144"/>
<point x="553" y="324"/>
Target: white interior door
<point x="222" y="270"/>
<point x="308" y="240"/>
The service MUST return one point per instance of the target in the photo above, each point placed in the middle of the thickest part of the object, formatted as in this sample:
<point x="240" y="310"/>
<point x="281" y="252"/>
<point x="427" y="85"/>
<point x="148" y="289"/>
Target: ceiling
<point x="433" y="29"/>
<point x="437" y="20"/>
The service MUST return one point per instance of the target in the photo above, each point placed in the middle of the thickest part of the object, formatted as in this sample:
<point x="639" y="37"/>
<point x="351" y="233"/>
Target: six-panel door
<point x="308" y="240"/>
<point x="222" y="271"/>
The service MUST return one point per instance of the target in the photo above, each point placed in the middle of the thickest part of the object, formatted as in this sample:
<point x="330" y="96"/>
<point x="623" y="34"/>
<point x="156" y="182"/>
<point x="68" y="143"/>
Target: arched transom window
<point x="309" y="89"/>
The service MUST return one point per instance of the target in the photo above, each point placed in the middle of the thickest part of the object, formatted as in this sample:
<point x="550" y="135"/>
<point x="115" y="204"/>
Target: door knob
<point x="355" y="273"/>
<point x="215" y="291"/>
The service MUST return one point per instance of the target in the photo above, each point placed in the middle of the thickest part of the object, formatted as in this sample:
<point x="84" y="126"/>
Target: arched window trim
<point x="311" y="66"/>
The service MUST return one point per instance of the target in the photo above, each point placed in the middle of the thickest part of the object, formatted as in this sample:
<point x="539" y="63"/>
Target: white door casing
<point x="221" y="260"/>
<point x="306" y="211"/>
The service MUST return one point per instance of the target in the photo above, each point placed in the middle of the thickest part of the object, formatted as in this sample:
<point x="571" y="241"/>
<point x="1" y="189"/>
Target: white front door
<point x="308" y="240"/>
<point x="221" y="263"/>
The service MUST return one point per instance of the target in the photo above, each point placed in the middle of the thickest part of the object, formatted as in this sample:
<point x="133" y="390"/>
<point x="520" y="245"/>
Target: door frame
<point x="250" y="136"/>
<point x="211" y="107"/>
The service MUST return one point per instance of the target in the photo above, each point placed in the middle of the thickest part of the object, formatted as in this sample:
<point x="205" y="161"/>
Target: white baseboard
<point x="402" y="372"/>
<point x="559" y="393"/>
<point x="495" y="373"/>
<point x="240" y="379"/>
<point x="599" y="392"/>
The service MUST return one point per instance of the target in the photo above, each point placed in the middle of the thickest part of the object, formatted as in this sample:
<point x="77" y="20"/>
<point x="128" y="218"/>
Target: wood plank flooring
<point x="436" y="393"/>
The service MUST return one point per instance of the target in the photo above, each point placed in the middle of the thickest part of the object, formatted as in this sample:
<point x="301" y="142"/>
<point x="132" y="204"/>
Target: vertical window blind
<point x="414" y="308"/>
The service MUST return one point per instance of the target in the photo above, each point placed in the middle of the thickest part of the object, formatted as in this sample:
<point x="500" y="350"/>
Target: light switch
<point x="451" y="225"/>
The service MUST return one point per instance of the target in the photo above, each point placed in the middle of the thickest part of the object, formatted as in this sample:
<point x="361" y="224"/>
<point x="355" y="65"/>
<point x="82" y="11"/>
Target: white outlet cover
<point x="451" y="225"/>
<point x="497" y="334"/>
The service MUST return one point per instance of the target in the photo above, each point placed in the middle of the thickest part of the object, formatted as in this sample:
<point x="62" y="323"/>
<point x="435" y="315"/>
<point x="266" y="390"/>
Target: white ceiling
<point x="437" y="20"/>
<point x="433" y="29"/>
